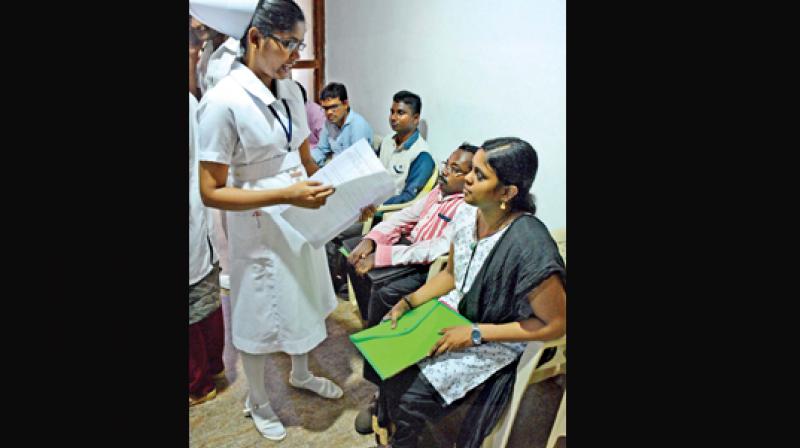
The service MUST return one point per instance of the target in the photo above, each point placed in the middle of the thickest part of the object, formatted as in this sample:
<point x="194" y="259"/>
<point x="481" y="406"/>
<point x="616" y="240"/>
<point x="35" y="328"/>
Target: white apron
<point x="280" y="285"/>
<point x="281" y="290"/>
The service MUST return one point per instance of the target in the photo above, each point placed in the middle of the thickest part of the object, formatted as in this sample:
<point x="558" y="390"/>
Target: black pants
<point x="336" y="261"/>
<point x="409" y="401"/>
<point x="374" y="301"/>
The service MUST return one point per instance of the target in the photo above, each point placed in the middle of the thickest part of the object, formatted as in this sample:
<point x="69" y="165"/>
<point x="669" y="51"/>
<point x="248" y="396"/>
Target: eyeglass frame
<point x="203" y="29"/>
<point x="300" y="46"/>
<point x="334" y="106"/>
<point x="446" y="169"/>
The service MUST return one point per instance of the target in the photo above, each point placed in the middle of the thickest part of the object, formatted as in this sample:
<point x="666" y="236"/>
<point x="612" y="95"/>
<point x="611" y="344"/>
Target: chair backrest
<point x="376" y="142"/>
<point x="560" y="235"/>
<point x="430" y="183"/>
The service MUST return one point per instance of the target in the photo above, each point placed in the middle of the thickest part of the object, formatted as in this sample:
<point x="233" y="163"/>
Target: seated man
<point x="405" y="154"/>
<point x="507" y="277"/>
<point x="343" y="126"/>
<point x="424" y="227"/>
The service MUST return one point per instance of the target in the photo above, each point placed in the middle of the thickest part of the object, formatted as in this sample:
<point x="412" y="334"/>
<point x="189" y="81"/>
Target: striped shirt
<point x="425" y="225"/>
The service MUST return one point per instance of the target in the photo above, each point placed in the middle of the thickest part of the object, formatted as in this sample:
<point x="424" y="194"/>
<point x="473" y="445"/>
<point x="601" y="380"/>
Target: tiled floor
<point x="312" y="421"/>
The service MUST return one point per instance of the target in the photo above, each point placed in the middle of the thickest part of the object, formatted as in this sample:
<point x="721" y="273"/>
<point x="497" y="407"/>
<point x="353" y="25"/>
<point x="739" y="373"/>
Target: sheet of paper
<point x="360" y="180"/>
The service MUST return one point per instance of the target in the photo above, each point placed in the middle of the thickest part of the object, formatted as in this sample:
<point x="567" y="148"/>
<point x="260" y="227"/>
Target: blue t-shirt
<point x="334" y="140"/>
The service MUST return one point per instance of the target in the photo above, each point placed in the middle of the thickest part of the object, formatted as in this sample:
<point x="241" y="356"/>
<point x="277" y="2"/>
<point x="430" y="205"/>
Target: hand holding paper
<point x="360" y="181"/>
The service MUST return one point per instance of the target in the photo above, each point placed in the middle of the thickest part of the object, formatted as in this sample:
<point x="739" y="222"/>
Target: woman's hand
<point x="365" y="265"/>
<point x="397" y="311"/>
<point x="364" y="248"/>
<point x="308" y="194"/>
<point x="455" y="338"/>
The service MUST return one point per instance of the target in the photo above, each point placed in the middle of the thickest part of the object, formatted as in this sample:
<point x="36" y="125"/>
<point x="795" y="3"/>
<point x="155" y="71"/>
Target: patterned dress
<point x="455" y="373"/>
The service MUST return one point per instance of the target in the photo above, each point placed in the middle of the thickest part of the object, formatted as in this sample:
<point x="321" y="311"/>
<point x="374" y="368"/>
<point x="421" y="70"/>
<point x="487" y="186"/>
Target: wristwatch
<point x="476" y="335"/>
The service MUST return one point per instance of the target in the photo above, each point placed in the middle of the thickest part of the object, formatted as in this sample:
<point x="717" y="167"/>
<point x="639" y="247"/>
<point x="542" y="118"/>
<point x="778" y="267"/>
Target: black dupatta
<point x="524" y="257"/>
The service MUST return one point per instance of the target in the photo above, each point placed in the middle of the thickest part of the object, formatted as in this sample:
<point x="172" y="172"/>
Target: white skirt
<point x="281" y="289"/>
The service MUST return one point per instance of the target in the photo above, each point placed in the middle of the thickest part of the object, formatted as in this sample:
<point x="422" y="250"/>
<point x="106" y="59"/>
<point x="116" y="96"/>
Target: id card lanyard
<point x="287" y="132"/>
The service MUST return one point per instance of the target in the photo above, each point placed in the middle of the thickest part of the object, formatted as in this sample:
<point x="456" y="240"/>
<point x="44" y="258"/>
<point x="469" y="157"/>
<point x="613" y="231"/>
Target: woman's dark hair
<point x="274" y="16"/>
<point x="515" y="162"/>
<point x="412" y="99"/>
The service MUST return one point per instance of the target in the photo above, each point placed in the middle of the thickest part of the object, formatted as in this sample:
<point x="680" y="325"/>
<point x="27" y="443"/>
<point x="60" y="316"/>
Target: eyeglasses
<point x="332" y="107"/>
<point x="202" y="33"/>
<point x="446" y="170"/>
<point x="290" y="44"/>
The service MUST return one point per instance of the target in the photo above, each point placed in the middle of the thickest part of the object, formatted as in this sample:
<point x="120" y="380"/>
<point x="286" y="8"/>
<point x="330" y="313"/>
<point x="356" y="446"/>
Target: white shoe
<point x="224" y="281"/>
<point x="267" y="423"/>
<point x="247" y="410"/>
<point x="321" y="386"/>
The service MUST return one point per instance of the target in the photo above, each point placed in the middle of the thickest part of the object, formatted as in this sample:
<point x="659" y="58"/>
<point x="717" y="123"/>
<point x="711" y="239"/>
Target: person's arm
<point x="305" y="158"/>
<point x="439" y="285"/>
<point x="549" y="304"/>
<point x="418" y="174"/>
<point x="383" y="237"/>
<point x="323" y="148"/>
<point x="389" y="231"/>
<point x="213" y="176"/>
<point x="421" y="252"/>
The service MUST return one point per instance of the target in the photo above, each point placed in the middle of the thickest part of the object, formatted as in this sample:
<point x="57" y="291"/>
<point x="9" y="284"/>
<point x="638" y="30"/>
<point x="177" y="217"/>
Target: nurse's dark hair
<point x="412" y="99"/>
<point x="274" y="16"/>
<point x="515" y="162"/>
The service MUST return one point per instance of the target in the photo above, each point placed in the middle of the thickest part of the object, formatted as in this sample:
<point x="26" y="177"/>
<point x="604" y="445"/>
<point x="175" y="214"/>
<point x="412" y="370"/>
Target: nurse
<point x="253" y="125"/>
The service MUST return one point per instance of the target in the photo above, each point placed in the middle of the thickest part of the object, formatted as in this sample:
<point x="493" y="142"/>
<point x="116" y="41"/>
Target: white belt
<point x="266" y="168"/>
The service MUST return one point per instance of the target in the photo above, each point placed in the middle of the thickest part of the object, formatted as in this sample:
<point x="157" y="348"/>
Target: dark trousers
<point x="409" y="401"/>
<point x="374" y="301"/>
<point x="206" y="343"/>
<point x="336" y="261"/>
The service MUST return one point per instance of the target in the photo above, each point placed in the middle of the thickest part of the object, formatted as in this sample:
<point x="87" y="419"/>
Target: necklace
<point x="474" y="245"/>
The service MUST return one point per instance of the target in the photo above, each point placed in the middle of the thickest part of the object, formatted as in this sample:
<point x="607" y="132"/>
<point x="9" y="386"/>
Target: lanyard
<point x="472" y="246"/>
<point x="285" y="131"/>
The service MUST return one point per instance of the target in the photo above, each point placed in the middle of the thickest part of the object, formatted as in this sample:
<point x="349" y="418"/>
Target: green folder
<point x="390" y="351"/>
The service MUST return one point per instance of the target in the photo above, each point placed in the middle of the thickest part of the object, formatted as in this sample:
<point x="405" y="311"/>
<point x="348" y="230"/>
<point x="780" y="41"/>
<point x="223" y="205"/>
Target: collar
<point x="346" y="120"/>
<point x="448" y="198"/>
<point x="409" y="142"/>
<point x="250" y="82"/>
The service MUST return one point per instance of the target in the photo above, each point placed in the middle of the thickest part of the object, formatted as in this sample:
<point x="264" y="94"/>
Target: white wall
<point x="483" y="69"/>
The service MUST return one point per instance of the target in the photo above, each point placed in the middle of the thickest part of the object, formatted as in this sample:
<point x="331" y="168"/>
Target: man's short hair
<point x="334" y="90"/>
<point x="468" y="147"/>
<point x="412" y="99"/>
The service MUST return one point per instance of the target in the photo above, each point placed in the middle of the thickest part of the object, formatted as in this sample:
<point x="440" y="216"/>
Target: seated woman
<point x="506" y="275"/>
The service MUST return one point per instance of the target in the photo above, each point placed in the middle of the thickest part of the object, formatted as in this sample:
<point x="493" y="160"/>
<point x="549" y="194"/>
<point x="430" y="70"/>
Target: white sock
<point x="302" y="377"/>
<point x="254" y="372"/>
<point x="300" y="370"/>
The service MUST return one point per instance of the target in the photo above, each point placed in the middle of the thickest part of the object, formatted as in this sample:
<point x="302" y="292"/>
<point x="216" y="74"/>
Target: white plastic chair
<point x="560" y="424"/>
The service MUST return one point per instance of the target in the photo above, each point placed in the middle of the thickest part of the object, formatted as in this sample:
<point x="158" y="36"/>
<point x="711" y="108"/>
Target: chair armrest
<point x="555" y="342"/>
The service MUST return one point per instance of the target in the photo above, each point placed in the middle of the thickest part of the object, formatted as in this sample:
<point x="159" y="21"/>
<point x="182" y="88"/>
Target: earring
<point x="502" y="205"/>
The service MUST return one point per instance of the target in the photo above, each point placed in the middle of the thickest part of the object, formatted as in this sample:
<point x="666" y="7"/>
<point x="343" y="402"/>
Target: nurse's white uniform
<point x="280" y="285"/>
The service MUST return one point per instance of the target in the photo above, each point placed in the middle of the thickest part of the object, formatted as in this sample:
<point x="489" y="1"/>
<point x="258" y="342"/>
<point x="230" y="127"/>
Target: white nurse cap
<point x="229" y="17"/>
